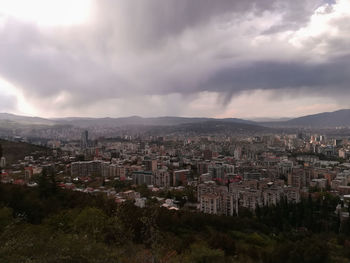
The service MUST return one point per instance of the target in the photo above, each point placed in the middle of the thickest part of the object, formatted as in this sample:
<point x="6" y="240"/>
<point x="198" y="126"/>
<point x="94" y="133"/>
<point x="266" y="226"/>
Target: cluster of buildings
<point x="226" y="172"/>
<point x="250" y="194"/>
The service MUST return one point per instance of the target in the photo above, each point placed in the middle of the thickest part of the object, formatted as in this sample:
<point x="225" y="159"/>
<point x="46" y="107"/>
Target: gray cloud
<point x="155" y="47"/>
<point x="8" y="103"/>
<point x="278" y="75"/>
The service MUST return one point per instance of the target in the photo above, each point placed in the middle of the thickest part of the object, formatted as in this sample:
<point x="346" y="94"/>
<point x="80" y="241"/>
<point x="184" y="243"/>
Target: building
<point x="180" y="177"/>
<point x="285" y="168"/>
<point x="250" y="199"/>
<point x="84" y="141"/>
<point x="344" y="153"/>
<point x="106" y="169"/>
<point x="162" y="178"/>
<point x="210" y="204"/>
<point x="129" y="195"/>
<point x="292" y="194"/>
<point x="89" y="168"/>
<point x="217" y="172"/>
<point x="202" y="167"/>
<point x="121" y="172"/>
<point x="142" y="177"/>
<point x="216" y="199"/>
<point x="319" y="183"/>
<point x="150" y="165"/>
<point x="253" y="193"/>
<point x="3" y="162"/>
<point x="28" y="172"/>
<point x="140" y="202"/>
<point x="272" y="196"/>
<point x="294" y="180"/>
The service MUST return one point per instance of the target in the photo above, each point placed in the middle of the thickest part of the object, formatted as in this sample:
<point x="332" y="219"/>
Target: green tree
<point x="43" y="183"/>
<point x="5" y="217"/>
<point x="91" y="221"/>
<point x="47" y="183"/>
<point x="201" y="253"/>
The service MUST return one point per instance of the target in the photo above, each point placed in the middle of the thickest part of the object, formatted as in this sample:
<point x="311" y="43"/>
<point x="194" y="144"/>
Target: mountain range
<point x="340" y="118"/>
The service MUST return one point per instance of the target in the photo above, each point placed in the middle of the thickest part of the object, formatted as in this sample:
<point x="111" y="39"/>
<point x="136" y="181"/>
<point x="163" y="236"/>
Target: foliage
<point x="121" y="186"/>
<point x="66" y="226"/>
<point x="14" y="151"/>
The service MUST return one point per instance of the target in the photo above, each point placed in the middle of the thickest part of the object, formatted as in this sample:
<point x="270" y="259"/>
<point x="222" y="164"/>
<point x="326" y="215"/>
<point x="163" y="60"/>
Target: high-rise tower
<point x="84" y="142"/>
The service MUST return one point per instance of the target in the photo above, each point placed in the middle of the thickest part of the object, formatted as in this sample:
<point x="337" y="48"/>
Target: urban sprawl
<point x="211" y="174"/>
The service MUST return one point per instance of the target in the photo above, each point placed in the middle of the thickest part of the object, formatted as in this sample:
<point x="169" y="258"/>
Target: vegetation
<point x="14" y="151"/>
<point x="46" y="224"/>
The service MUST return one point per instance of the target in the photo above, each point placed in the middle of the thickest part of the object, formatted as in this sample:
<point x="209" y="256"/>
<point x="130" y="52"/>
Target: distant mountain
<point x="139" y="121"/>
<point x="24" y="120"/>
<point x="213" y="127"/>
<point x="10" y="122"/>
<point x="340" y="118"/>
<point x="266" y="119"/>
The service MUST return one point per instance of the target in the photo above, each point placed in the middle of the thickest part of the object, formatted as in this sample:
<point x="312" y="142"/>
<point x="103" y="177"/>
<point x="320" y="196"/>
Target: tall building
<point x="2" y="162"/>
<point x="84" y="142"/>
<point x="162" y="178"/>
<point x="150" y="165"/>
<point x="89" y="168"/>
<point x="217" y="172"/>
<point x="180" y="177"/>
<point x="142" y="177"/>
<point x="215" y="199"/>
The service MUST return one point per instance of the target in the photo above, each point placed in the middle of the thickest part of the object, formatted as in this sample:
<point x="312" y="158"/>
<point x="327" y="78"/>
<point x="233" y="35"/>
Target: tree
<point x="91" y="221"/>
<point x="5" y="217"/>
<point x="47" y="183"/>
<point x="43" y="183"/>
<point x="53" y="183"/>
<point x="201" y="253"/>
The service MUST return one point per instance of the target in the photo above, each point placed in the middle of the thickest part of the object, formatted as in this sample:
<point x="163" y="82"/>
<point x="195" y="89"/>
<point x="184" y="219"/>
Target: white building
<point x="3" y="162"/>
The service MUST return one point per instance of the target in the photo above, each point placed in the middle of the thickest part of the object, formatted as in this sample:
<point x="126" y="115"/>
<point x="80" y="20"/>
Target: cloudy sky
<point x="222" y="58"/>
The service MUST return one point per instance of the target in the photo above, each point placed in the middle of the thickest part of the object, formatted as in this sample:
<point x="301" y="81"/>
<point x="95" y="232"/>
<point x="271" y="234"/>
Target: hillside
<point x="24" y="120"/>
<point x="14" y="151"/>
<point x="139" y="121"/>
<point x="51" y="225"/>
<point x="18" y="121"/>
<point x="340" y="118"/>
<point x="210" y="127"/>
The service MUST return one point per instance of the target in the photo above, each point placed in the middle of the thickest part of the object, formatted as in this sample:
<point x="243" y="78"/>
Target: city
<point x="223" y="173"/>
<point x="168" y="131"/>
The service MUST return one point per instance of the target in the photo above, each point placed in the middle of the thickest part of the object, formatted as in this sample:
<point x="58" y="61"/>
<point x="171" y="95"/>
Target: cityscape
<point x="235" y="170"/>
<point x="167" y="131"/>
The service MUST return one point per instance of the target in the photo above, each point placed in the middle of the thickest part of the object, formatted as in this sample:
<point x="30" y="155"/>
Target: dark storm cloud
<point x="36" y="64"/>
<point x="147" y="23"/>
<point x="277" y="75"/>
<point x="135" y="48"/>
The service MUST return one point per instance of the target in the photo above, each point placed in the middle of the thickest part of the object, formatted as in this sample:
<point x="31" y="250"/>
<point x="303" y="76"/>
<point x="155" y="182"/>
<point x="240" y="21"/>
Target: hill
<point x="340" y="118"/>
<point x="7" y="119"/>
<point x="210" y="127"/>
<point x="48" y="224"/>
<point x="140" y="121"/>
<point x="14" y="151"/>
<point x="25" y="120"/>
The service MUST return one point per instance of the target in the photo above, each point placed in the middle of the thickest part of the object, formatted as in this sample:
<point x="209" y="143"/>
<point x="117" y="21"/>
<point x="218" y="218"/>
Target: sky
<point x="204" y="58"/>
